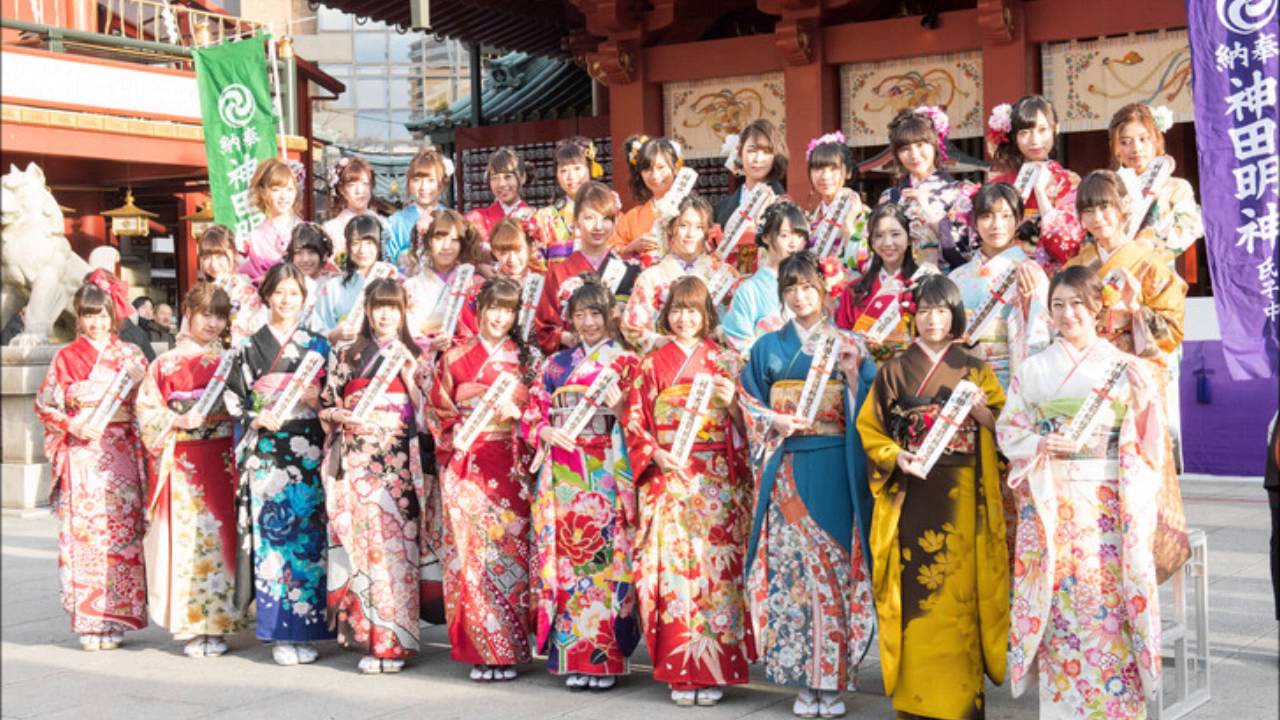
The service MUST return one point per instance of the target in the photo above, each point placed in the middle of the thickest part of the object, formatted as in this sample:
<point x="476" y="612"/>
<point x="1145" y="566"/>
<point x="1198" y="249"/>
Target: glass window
<point x="372" y="94"/>
<point x="401" y="89"/>
<point x="330" y="19"/>
<point x="338" y="71"/>
<point x="371" y="48"/>
<point x="345" y="100"/>
<point x="401" y="45"/>
<point x="371" y="26"/>
<point x="378" y="70"/>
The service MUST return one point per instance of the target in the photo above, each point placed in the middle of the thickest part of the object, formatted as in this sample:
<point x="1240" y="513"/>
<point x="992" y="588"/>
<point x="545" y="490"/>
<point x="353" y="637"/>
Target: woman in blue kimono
<point x="755" y="309"/>
<point x="342" y="294"/>
<point x="1019" y="327"/>
<point x="807" y="563"/>
<point x="281" y="515"/>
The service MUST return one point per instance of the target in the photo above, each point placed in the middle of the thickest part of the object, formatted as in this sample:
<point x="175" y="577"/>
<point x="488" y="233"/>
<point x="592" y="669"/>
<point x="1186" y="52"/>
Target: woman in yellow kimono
<point x="1142" y="314"/>
<point x="939" y="561"/>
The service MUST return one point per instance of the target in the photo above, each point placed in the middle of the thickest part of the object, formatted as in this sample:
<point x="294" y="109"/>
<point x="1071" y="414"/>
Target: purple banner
<point x="1234" y="69"/>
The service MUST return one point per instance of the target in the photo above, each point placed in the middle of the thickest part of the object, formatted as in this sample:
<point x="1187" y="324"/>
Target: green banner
<point x="239" y="125"/>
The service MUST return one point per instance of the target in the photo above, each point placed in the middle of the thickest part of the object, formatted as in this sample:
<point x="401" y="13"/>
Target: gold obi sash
<point x="669" y="411"/>
<point x="496" y="425"/>
<point x="784" y="397"/>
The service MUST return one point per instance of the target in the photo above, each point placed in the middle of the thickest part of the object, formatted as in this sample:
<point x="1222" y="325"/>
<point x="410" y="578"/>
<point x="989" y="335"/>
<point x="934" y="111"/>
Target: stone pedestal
<point x="24" y="473"/>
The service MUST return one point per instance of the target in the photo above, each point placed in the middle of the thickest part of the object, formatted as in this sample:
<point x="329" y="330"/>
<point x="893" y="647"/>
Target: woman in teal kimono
<point x="807" y="564"/>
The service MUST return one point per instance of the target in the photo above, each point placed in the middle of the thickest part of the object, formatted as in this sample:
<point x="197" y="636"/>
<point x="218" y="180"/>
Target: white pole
<point x="275" y="74"/>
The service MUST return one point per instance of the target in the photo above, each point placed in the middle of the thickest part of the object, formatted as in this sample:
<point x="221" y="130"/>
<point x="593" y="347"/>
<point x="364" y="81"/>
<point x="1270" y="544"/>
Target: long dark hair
<point x="365" y="228"/>
<point x="909" y="267"/>
<point x="386" y="292"/>
<point x="778" y="213"/>
<point x="645" y="151"/>
<point x="593" y="295"/>
<point x="502" y="291"/>
<point x="1007" y="156"/>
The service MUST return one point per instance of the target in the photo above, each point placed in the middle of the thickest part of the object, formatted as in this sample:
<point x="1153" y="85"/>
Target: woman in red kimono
<point x="485" y="489"/>
<point x="594" y="213"/>
<point x="506" y="174"/>
<point x="374" y="489"/>
<point x="694" y="512"/>
<point x="98" y="477"/>
<point x="191" y="523"/>
<point x="1022" y="133"/>
<point x="887" y="280"/>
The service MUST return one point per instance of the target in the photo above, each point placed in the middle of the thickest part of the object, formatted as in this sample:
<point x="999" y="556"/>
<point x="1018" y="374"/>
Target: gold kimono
<point x="939" y="559"/>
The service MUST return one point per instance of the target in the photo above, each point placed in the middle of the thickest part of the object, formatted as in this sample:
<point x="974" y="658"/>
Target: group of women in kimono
<point x="566" y="430"/>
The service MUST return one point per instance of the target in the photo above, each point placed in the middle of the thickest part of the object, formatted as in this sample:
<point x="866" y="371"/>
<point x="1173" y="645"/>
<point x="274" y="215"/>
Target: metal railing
<point x="162" y="24"/>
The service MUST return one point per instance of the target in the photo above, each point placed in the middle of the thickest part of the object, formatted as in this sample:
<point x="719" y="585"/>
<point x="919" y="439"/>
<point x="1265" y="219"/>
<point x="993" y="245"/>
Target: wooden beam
<point x="749" y="55"/>
<point x="900" y="38"/>
<point x="1089" y="19"/>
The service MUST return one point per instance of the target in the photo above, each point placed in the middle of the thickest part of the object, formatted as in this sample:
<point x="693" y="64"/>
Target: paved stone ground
<point x="43" y="674"/>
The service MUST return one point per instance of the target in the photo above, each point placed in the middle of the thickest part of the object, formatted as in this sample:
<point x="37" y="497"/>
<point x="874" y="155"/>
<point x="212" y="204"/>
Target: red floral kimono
<point x="485" y="493"/>
<point x="692" y="538"/>
<point x="1059" y="235"/>
<point x="98" y="490"/>
<point x="191" y="518"/>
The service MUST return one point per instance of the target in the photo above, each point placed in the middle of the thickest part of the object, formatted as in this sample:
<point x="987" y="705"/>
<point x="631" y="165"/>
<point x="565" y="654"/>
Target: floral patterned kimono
<point x="548" y="322"/>
<point x="281" y="514"/>
<point x="860" y="313"/>
<point x="339" y="296"/>
<point x="584" y="518"/>
<point x="1084" y="585"/>
<point x="941" y="563"/>
<point x="651" y="290"/>
<point x="809" y="570"/>
<point x="191" y="515"/>
<point x="693" y="532"/>
<point x="373" y="494"/>
<point x="1056" y="239"/>
<point x="485" y="493"/>
<point x="399" y="232"/>
<point x="942" y="234"/>
<point x="99" y="488"/>
<point x="1154" y="335"/>
<point x="1018" y="329"/>
<point x="486" y="218"/>
<point x="852" y="250"/>
<point x="554" y="231"/>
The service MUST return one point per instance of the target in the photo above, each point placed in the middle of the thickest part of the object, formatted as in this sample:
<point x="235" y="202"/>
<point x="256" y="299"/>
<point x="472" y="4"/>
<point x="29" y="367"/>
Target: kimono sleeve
<point x="740" y="322"/>
<point x="1017" y="432"/>
<point x="1164" y="297"/>
<point x="155" y="419"/>
<point x="439" y="410"/>
<point x="882" y="450"/>
<point x="548" y="326"/>
<point x="640" y="427"/>
<point x="537" y="411"/>
<point x="1180" y="223"/>
<point x="51" y="402"/>
<point x="239" y="397"/>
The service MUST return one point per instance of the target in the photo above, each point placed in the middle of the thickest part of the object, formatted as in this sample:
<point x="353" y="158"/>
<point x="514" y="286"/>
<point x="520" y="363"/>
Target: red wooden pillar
<point x="813" y="99"/>
<point x="185" y="245"/>
<point x="1010" y="64"/>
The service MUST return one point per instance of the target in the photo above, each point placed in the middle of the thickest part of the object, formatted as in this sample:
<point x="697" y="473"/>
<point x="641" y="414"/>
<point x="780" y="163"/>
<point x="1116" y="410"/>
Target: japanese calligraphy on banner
<point x="700" y="114"/>
<point x="872" y="93"/>
<point x="239" y="125"/>
<point x="1234" y="52"/>
<point x="1089" y="81"/>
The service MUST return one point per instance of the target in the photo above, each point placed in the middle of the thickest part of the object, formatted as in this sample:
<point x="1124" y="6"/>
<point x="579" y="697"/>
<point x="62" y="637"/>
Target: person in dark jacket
<point x="16" y="325"/>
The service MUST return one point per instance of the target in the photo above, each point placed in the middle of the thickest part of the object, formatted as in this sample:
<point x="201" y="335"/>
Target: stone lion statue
<point x="39" y="266"/>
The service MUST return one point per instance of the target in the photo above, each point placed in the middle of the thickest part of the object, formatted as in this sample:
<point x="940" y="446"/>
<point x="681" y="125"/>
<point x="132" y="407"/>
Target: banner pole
<point x="275" y="76"/>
